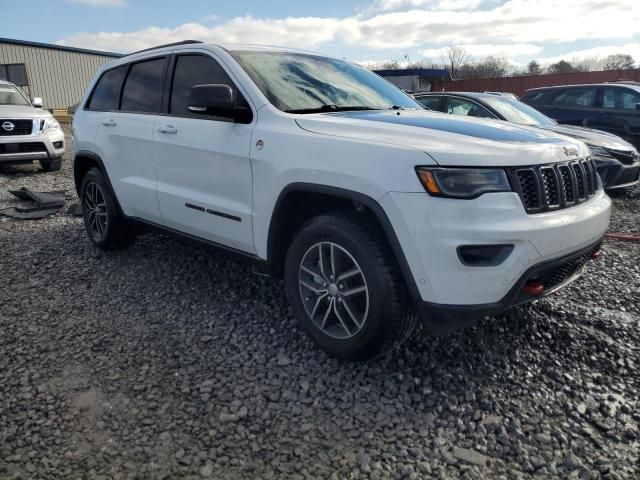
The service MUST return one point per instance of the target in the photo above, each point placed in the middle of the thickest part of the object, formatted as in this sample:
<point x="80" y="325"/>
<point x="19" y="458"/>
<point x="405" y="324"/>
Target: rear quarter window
<point x="539" y="97"/>
<point x="106" y="93"/>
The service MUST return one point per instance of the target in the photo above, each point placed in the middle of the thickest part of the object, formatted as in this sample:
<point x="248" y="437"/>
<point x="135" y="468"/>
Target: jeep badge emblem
<point x="571" y="151"/>
<point x="8" y="126"/>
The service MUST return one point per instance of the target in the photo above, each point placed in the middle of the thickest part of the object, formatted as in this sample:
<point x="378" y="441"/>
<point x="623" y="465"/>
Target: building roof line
<point x="52" y="46"/>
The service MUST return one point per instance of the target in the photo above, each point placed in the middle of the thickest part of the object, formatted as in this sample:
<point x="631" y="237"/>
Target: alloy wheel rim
<point x="95" y="208"/>
<point x="334" y="290"/>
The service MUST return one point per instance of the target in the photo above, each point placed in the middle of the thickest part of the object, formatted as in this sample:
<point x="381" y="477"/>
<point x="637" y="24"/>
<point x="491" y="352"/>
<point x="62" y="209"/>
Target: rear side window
<point x="576" y="97"/>
<point x="539" y="97"/>
<point x="106" y="94"/>
<point x="143" y="87"/>
<point x="431" y="102"/>
<point x="193" y="70"/>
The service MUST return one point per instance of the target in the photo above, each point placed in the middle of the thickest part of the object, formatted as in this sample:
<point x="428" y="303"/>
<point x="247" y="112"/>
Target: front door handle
<point x="109" y="123"/>
<point x="168" y="129"/>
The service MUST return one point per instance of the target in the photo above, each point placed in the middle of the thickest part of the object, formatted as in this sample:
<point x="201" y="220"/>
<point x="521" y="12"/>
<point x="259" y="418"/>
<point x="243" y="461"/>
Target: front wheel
<point x="344" y="287"/>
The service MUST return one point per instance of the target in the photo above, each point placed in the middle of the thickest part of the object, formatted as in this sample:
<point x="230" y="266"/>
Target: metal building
<point x="58" y="74"/>
<point x="414" y="79"/>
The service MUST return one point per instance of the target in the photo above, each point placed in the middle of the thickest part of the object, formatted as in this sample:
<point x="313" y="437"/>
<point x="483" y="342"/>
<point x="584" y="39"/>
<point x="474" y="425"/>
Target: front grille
<point x="628" y="175"/>
<point x="624" y="156"/>
<point x="563" y="272"/>
<point x="27" y="147"/>
<point x="20" y="127"/>
<point x="556" y="186"/>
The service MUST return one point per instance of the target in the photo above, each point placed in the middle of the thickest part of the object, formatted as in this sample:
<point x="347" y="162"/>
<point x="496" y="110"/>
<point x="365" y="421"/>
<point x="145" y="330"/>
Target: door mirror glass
<point x="211" y="100"/>
<point x="37" y="102"/>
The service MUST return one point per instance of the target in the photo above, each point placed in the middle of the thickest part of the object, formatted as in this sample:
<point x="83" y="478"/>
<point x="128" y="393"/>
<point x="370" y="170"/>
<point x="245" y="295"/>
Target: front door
<point x="204" y="169"/>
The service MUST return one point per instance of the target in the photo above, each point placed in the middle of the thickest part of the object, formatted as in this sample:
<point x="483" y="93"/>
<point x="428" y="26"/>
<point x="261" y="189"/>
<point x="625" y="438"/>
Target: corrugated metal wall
<point x="59" y="77"/>
<point x="518" y="85"/>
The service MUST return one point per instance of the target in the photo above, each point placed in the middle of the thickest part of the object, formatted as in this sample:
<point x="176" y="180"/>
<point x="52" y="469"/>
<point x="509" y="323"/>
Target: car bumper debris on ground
<point x="164" y="361"/>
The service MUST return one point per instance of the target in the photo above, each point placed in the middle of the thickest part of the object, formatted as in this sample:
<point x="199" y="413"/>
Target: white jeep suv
<point x="371" y="208"/>
<point x="27" y="132"/>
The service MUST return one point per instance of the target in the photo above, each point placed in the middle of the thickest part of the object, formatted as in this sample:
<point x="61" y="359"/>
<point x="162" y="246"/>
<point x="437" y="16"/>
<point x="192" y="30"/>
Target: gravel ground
<point x="166" y="361"/>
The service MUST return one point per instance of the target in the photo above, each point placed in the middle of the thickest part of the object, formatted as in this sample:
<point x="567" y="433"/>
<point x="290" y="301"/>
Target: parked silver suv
<point x="27" y="132"/>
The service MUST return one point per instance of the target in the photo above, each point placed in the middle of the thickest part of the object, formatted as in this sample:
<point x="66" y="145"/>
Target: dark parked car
<point x="612" y="107"/>
<point x="618" y="162"/>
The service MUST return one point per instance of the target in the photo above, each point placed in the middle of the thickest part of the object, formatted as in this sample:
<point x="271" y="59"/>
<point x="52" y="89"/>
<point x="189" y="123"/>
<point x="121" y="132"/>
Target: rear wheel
<point x="105" y="226"/>
<point x="51" y="165"/>
<point x="344" y="288"/>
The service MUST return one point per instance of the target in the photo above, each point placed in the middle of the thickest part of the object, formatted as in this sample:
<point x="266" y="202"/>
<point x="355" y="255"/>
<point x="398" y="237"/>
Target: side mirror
<point x="37" y="102"/>
<point x="211" y="100"/>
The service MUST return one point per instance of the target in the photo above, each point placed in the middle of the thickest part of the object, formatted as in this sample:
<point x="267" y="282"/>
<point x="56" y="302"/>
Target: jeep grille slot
<point x="553" y="187"/>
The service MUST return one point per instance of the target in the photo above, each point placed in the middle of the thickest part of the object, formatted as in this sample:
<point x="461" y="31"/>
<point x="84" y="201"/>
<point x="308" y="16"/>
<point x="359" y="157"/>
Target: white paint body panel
<point x="218" y="166"/>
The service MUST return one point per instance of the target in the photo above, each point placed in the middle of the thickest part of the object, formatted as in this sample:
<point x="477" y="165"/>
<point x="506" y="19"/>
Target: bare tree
<point x="618" y="61"/>
<point x="561" y="67"/>
<point x="534" y="68"/>
<point x="456" y="57"/>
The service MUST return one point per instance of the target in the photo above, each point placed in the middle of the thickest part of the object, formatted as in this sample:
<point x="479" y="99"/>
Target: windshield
<point x="9" y="95"/>
<point x="303" y="83"/>
<point x="517" y="112"/>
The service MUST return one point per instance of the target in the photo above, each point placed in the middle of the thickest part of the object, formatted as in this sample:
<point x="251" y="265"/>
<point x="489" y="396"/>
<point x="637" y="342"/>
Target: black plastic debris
<point x="75" y="209"/>
<point x="41" y="204"/>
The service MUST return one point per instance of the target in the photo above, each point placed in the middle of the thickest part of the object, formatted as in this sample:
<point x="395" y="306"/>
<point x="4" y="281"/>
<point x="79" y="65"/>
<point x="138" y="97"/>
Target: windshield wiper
<point x="332" y="108"/>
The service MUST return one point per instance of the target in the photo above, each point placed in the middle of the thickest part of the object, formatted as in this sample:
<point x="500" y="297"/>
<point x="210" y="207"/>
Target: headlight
<point x="51" y="125"/>
<point x="463" y="182"/>
<point x="598" y="151"/>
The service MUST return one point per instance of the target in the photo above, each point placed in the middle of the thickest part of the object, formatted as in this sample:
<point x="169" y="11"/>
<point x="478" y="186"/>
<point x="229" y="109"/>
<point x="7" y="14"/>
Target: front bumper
<point x="553" y="275"/>
<point x="27" y="148"/>
<point x="615" y="174"/>
<point x="430" y="230"/>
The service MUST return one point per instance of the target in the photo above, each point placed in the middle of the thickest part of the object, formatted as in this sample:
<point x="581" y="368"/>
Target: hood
<point x="22" y="111"/>
<point x="596" y="138"/>
<point x="449" y="139"/>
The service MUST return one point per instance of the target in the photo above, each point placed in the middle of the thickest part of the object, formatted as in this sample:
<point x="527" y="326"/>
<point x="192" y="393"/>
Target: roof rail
<point x="174" y="44"/>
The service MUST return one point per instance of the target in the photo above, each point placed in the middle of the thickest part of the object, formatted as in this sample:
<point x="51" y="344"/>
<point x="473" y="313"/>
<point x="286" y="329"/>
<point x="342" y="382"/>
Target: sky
<point x="368" y="32"/>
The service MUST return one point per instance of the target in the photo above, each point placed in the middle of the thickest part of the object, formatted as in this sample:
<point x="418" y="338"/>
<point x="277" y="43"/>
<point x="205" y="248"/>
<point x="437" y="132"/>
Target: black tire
<point x="105" y="225"/>
<point x="383" y="322"/>
<point x="52" y="165"/>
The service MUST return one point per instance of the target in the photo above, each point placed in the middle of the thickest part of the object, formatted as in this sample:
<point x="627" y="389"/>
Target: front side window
<point x="304" y="83"/>
<point x="432" y="102"/>
<point x="515" y="111"/>
<point x="9" y="95"/>
<point x="143" y="87"/>
<point x="106" y="94"/>
<point x="576" y="97"/>
<point x="193" y="70"/>
<point x="459" y="106"/>
<point x="620" y="98"/>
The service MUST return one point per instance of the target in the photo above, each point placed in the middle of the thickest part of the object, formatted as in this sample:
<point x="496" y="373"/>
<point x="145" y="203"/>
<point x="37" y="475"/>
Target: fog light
<point x="483" y="255"/>
<point x="58" y="145"/>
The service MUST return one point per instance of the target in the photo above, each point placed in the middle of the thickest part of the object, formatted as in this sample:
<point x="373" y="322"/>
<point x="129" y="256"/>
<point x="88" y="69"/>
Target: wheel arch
<point x="283" y="227"/>
<point x="83" y="161"/>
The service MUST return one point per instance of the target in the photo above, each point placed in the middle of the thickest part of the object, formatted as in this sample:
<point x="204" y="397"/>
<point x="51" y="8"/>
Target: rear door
<point x="204" y="169"/>
<point x="574" y="106"/>
<point x="125" y="135"/>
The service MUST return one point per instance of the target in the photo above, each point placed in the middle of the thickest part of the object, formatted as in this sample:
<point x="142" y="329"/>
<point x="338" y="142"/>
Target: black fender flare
<point x="277" y="218"/>
<point x="95" y="158"/>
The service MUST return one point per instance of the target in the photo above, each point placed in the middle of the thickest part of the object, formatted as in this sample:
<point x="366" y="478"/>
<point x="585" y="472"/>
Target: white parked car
<point x="323" y="173"/>
<point x="27" y="132"/>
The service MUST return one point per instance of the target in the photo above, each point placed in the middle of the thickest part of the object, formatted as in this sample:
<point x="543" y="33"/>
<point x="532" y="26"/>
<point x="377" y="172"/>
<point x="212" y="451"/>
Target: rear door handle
<point x="109" y="123"/>
<point x="168" y="129"/>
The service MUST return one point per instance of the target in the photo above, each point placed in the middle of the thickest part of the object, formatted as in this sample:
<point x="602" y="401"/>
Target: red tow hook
<point x="533" y="288"/>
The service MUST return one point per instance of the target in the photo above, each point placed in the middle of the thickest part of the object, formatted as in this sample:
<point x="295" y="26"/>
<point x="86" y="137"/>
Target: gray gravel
<point x="166" y="361"/>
